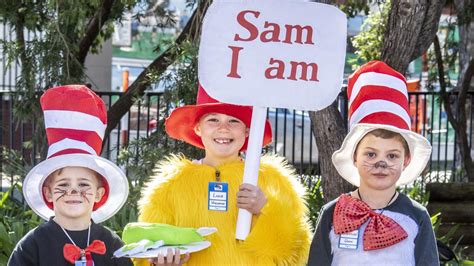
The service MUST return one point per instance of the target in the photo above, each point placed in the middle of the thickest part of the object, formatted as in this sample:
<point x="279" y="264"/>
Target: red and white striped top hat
<point x="75" y="120"/>
<point x="378" y="99"/>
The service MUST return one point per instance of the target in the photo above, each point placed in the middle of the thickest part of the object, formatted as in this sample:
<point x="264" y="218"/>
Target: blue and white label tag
<point x="217" y="196"/>
<point x="349" y="240"/>
<point x="81" y="263"/>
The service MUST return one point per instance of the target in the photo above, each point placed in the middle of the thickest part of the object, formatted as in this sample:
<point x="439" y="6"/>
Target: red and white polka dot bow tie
<point x="381" y="231"/>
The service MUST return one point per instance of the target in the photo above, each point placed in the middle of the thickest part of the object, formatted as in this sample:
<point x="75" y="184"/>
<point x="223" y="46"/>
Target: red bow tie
<point x="381" y="231"/>
<point x="72" y="253"/>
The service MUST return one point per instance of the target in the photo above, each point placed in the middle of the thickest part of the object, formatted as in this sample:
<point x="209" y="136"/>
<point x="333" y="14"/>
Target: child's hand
<point x="251" y="198"/>
<point x="170" y="259"/>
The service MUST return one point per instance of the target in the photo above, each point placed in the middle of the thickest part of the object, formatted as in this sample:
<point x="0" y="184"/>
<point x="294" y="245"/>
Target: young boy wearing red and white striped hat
<point x="74" y="188"/>
<point x="376" y="225"/>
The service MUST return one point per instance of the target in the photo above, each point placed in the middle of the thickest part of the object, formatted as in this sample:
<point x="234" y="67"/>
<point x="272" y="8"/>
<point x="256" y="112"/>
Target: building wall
<point x="99" y="68"/>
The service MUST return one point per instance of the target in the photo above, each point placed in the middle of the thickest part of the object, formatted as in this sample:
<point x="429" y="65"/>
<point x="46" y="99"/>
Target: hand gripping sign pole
<point x="253" y="53"/>
<point x="252" y="164"/>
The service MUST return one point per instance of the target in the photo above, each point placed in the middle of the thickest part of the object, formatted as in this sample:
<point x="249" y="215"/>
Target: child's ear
<point x="354" y="159"/>
<point x="247" y="130"/>
<point x="100" y="193"/>
<point x="406" y="162"/>
<point x="47" y="194"/>
<point x="197" y="130"/>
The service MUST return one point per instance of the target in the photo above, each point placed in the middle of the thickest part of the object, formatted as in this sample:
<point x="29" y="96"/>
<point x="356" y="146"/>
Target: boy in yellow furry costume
<point x="178" y="194"/>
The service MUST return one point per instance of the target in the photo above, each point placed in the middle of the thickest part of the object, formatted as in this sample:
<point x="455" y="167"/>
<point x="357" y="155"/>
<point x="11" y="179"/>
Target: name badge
<point x="81" y="263"/>
<point x="349" y="240"/>
<point x="217" y="196"/>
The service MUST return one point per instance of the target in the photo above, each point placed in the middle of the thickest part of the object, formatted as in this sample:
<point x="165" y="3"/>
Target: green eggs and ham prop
<point x="272" y="53"/>
<point x="129" y="250"/>
<point x="144" y="240"/>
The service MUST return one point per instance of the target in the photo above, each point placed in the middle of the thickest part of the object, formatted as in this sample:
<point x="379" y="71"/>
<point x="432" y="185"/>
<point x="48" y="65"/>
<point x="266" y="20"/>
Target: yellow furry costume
<point x="280" y="235"/>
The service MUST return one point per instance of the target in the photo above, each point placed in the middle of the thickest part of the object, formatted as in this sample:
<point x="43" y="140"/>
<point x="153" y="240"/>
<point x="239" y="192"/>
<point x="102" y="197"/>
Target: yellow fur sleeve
<point x="141" y="262"/>
<point x="281" y="233"/>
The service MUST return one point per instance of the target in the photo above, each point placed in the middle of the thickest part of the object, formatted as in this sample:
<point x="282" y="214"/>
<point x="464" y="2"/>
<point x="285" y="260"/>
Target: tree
<point x="71" y="31"/>
<point x="62" y="34"/>
<point x="410" y="30"/>
<point x="65" y="32"/>
<point x="150" y="74"/>
<point x="457" y="110"/>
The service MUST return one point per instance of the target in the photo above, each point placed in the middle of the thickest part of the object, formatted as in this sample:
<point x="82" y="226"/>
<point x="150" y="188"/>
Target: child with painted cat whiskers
<point x="375" y="224"/>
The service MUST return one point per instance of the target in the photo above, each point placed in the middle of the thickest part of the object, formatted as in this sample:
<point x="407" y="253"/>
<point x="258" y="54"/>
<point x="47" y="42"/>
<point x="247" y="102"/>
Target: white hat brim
<point x="420" y="151"/>
<point x="117" y="181"/>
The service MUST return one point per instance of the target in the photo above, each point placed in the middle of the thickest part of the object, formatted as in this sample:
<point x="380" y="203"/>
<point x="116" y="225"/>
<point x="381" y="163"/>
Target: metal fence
<point x="292" y="132"/>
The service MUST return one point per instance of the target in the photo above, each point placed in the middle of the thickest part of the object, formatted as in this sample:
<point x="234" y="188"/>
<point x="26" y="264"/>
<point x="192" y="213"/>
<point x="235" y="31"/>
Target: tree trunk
<point x="429" y="28"/>
<point x="93" y="29"/>
<point x="456" y="112"/>
<point x="465" y="35"/>
<point x="466" y="55"/>
<point x="410" y="30"/>
<point x="464" y="82"/>
<point x="329" y="131"/>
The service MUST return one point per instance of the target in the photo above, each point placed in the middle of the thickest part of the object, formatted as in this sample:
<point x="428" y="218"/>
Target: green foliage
<point x="369" y="41"/>
<point x="314" y="197"/>
<point x="16" y="219"/>
<point x="127" y="214"/>
<point x="13" y="164"/>
<point x="55" y="29"/>
<point x="448" y="240"/>
<point x="140" y="156"/>
<point x="47" y="42"/>
<point x="417" y="192"/>
<point x="353" y="7"/>
<point x="180" y="82"/>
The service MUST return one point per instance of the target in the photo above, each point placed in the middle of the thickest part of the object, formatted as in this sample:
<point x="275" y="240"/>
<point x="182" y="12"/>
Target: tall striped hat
<point x="75" y="121"/>
<point x="378" y="99"/>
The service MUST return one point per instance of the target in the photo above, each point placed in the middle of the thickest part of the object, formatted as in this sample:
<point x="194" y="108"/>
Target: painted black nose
<point x="381" y="164"/>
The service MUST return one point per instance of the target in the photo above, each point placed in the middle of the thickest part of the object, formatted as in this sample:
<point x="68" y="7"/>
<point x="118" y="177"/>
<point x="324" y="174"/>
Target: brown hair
<point x="387" y="134"/>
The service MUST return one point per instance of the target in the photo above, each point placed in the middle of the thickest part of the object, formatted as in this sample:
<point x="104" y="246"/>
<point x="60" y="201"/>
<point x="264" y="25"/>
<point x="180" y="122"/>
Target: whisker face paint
<point x="380" y="164"/>
<point x="63" y="192"/>
<point x="73" y="191"/>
